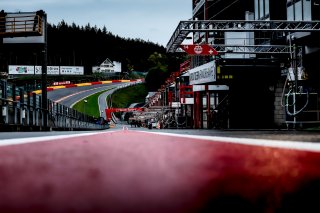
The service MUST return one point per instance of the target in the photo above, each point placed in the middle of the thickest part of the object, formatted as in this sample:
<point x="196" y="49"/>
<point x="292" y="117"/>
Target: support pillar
<point x="44" y="78"/>
<point x="197" y="107"/>
<point x="209" y="120"/>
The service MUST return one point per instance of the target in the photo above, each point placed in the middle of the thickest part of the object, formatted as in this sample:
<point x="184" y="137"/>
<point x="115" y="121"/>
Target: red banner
<point x="110" y="110"/>
<point x="199" y="49"/>
<point x="124" y="109"/>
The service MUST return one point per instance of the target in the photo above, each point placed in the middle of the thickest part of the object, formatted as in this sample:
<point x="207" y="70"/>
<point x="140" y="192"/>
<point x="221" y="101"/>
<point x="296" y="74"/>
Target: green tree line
<point x="87" y="46"/>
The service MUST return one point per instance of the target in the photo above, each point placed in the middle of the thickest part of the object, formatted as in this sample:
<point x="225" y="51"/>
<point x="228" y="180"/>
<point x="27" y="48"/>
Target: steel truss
<point x="186" y="27"/>
<point x="252" y="49"/>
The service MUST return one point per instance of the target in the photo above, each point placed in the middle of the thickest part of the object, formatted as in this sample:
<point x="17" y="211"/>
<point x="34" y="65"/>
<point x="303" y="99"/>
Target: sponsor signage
<point x="68" y="70"/>
<point x="21" y="70"/>
<point x="203" y="74"/>
<point x="199" y="88"/>
<point x="51" y="70"/>
<point x="61" y="83"/>
<point x="201" y="49"/>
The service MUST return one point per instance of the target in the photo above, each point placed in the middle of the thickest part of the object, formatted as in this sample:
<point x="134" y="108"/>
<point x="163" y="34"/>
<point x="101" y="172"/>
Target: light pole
<point x="44" y="75"/>
<point x="84" y="106"/>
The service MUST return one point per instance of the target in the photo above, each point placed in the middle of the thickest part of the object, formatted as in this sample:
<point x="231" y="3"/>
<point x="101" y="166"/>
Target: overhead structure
<point x="252" y="49"/>
<point x="186" y="27"/>
<point x="21" y="24"/>
<point x="28" y="27"/>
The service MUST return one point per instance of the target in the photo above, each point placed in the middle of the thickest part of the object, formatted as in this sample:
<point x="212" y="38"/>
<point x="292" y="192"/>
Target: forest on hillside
<point x="88" y="46"/>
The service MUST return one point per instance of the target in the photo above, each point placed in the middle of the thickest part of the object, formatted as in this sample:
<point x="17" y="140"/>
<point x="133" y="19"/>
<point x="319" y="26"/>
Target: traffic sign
<point x="199" y="49"/>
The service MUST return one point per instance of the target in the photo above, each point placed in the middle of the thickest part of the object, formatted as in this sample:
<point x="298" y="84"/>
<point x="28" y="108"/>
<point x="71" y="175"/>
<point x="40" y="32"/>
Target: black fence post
<point x="22" y="107"/>
<point x="44" y="77"/>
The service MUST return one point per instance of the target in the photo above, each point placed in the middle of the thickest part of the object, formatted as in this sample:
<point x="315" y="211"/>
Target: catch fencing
<point x="22" y="111"/>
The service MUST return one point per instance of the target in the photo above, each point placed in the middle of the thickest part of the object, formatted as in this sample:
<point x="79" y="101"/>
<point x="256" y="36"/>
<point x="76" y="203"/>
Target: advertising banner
<point x="70" y="70"/>
<point x="203" y="74"/>
<point x="51" y="70"/>
<point x="21" y="70"/>
<point x="201" y="49"/>
<point x="61" y="83"/>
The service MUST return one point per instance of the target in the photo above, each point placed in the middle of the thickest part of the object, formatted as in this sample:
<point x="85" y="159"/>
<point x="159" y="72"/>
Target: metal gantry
<point x="186" y="27"/>
<point x="249" y="49"/>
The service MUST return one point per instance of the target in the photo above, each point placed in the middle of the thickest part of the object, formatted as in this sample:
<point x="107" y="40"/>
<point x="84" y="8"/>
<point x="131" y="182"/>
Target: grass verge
<point x="91" y="107"/>
<point x="134" y="94"/>
<point x="120" y="99"/>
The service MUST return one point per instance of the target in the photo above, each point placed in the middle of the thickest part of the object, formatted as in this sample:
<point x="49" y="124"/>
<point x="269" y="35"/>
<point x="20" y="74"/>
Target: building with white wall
<point x="108" y="67"/>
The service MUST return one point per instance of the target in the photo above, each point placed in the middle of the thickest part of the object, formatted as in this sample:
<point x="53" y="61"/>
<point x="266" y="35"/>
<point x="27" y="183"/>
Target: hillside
<point x="72" y="45"/>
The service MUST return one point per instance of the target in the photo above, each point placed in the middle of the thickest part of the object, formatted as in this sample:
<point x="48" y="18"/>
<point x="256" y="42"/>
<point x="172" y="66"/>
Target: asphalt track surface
<point x="128" y="170"/>
<point x="69" y="96"/>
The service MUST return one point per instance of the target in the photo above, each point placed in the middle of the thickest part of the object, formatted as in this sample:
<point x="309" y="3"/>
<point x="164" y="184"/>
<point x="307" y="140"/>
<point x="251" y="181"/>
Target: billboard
<point x="51" y="70"/>
<point x="70" y="70"/>
<point x="203" y="74"/>
<point x="24" y="22"/>
<point x="21" y="70"/>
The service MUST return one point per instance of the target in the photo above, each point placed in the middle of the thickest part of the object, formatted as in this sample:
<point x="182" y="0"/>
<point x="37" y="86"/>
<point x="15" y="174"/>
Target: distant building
<point x="108" y="67"/>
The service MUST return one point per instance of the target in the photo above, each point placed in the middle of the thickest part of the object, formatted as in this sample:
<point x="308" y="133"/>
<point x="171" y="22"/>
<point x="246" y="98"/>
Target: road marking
<point x="296" y="145"/>
<point x="18" y="141"/>
<point x="77" y="93"/>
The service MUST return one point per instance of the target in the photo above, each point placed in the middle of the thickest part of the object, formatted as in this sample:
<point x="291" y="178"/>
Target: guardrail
<point x="22" y="111"/>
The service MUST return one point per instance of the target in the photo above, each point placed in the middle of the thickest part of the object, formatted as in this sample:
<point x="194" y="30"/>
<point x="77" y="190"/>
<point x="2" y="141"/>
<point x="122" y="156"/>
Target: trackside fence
<point x="21" y="111"/>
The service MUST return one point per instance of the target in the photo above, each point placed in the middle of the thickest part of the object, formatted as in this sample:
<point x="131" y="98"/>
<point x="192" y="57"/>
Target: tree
<point x="158" y="71"/>
<point x="89" y="46"/>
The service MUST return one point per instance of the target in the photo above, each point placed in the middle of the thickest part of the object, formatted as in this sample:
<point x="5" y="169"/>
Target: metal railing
<point x="24" y="25"/>
<point x="22" y="110"/>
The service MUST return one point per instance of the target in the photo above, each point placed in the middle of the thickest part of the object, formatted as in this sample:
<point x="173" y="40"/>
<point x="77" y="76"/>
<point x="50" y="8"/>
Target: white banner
<point x="203" y="74"/>
<point x="51" y="70"/>
<point x="21" y="70"/>
<point x="69" y="70"/>
<point x="300" y="72"/>
<point x="61" y="83"/>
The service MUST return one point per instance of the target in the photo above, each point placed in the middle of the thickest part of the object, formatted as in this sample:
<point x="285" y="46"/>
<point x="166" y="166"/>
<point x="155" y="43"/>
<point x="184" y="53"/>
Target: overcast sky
<point x="153" y="20"/>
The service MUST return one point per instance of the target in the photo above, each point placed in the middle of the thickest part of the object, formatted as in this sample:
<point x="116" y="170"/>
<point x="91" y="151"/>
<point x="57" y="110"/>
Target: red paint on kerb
<point x="70" y="86"/>
<point x="96" y="83"/>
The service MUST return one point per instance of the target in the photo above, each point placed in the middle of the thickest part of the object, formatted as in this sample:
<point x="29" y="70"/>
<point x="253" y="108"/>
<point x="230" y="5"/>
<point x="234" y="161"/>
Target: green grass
<point x="91" y="107"/>
<point x="124" y="97"/>
<point x="120" y="99"/>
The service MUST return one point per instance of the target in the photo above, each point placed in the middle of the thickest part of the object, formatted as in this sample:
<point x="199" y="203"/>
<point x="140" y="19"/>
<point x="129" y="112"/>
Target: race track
<point x="138" y="171"/>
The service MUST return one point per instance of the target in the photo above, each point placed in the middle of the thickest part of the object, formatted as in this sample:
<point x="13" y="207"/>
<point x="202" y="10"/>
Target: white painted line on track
<point x="295" y="145"/>
<point x="18" y="141"/>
